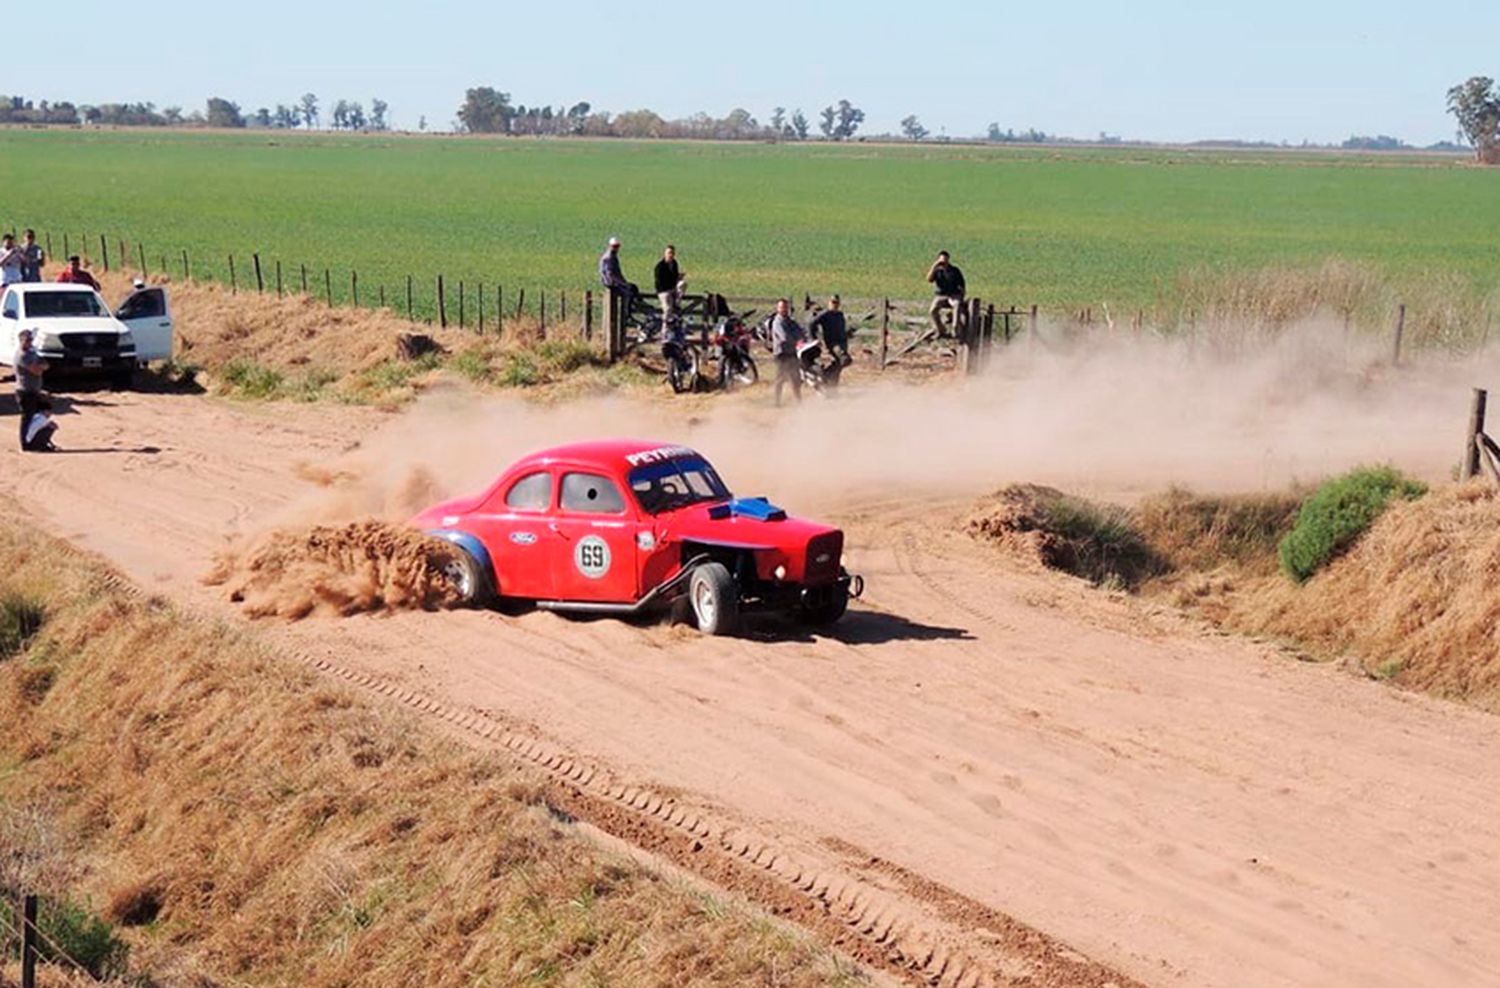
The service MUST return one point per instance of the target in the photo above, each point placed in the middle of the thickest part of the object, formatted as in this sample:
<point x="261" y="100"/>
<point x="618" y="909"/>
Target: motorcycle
<point x="730" y="345"/>
<point x="821" y="377"/>
<point x="682" y="363"/>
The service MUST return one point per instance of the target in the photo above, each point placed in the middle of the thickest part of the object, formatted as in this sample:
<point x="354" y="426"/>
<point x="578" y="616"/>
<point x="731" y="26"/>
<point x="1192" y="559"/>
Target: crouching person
<point x="37" y="426"/>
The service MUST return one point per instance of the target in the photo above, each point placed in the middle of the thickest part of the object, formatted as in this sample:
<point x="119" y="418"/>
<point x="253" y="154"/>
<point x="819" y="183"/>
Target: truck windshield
<point x="53" y="305"/>
<point x="674" y="484"/>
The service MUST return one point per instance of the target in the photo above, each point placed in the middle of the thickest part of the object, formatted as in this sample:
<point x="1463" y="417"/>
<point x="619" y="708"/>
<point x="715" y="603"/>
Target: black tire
<point x="715" y="599"/>
<point x="469" y="578"/>
<point x="682" y="371"/>
<point x="746" y="374"/>
<point x="122" y="380"/>
<point x="830" y="610"/>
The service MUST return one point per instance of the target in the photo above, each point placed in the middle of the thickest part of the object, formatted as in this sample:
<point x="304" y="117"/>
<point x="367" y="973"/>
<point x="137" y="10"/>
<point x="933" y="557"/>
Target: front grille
<point x="823" y="553"/>
<point x="89" y="341"/>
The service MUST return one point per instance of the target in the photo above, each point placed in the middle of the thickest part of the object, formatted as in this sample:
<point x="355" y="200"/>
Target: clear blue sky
<point x="1148" y="69"/>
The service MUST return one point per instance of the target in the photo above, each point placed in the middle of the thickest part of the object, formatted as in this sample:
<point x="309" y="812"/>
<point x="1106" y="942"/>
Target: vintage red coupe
<point x="621" y="526"/>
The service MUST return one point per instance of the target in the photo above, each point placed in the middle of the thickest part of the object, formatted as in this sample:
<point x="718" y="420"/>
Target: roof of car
<point x="50" y="286"/>
<point x="610" y="451"/>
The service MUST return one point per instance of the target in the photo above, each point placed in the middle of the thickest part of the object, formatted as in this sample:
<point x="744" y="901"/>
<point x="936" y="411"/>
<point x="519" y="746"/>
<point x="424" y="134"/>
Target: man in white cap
<point x="612" y="278"/>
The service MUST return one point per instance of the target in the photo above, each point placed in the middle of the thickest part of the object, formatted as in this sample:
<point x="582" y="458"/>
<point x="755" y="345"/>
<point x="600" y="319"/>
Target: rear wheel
<point x="122" y="380"/>
<point x="682" y="370"/>
<point x="828" y="609"/>
<point x="467" y="577"/>
<point x="715" y="600"/>
<point x="744" y="374"/>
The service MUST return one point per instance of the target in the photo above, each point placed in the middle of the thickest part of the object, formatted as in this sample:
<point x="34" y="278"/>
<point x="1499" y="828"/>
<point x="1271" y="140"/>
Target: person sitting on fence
<point x="948" y="291"/>
<point x="831" y="327"/>
<point x="11" y="260"/>
<point x="785" y="335"/>
<point x="612" y="278"/>
<point x="73" y="274"/>
<point x="669" y="280"/>
<point x="34" y="257"/>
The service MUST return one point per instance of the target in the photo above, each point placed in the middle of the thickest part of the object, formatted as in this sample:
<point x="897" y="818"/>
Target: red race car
<point x="622" y="526"/>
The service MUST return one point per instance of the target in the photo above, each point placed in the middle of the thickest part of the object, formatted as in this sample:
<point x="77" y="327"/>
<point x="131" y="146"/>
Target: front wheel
<point x="464" y="572"/>
<point x="744" y="373"/>
<point x="682" y="371"/>
<point x="828" y="609"/>
<point x="715" y="600"/>
<point x="122" y="380"/>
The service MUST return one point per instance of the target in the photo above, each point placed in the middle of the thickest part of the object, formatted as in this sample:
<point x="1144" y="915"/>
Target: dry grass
<point x="261" y="825"/>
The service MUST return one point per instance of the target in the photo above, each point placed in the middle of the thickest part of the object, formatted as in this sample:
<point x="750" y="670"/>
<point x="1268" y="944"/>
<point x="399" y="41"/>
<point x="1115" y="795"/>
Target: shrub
<point x="1105" y="547"/>
<point x="471" y="364"/>
<point x="520" y="371"/>
<point x="1337" y="513"/>
<point x="83" y="937"/>
<point x="564" y="356"/>
<point x="20" y="619"/>
<point x="252" y="380"/>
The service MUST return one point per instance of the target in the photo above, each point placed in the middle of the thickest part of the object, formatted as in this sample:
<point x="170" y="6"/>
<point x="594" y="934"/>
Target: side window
<point x="532" y="492"/>
<point x="144" y="304"/>
<point x="591" y="494"/>
<point x="12" y="305"/>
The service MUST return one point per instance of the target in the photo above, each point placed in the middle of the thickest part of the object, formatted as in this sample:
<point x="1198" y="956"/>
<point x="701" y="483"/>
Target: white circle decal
<point x="591" y="556"/>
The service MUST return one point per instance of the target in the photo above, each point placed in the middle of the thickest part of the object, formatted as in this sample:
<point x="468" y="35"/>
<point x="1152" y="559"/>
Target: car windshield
<point x="674" y="484"/>
<point x="53" y="305"/>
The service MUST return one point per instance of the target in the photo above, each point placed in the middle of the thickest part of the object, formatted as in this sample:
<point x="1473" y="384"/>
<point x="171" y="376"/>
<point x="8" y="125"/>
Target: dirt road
<point x="1185" y="808"/>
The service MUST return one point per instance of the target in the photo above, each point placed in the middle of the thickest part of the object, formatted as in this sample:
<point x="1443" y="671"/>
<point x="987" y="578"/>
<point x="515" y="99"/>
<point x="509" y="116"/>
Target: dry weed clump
<point x="1095" y="541"/>
<point x="338" y="569"/>
<point x="285" y="830"/>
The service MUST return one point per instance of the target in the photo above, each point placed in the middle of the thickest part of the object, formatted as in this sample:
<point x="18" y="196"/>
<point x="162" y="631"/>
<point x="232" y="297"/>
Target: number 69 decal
<point x="591" y="556"/>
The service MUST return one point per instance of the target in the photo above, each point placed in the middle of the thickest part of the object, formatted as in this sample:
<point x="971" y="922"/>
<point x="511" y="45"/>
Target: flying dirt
<point x="975" y="740"/>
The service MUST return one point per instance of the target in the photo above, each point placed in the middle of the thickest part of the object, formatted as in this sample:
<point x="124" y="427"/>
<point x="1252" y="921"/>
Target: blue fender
<point x="471" y="544"/>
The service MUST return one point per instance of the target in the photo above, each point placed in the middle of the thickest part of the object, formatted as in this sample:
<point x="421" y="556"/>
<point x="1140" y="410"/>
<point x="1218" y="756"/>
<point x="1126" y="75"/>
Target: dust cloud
<point x="1119" y="416"/>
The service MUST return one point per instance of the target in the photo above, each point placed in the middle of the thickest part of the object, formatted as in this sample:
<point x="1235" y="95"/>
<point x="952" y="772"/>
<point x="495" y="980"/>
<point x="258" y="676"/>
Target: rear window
<point x="53" y="305"/>
<point x="532" y="492"/>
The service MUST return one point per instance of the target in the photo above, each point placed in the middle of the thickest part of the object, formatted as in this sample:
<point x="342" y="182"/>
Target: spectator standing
<point x="668" y="284"/>
<point x="75" y="275"/>
<point x="34" y="257"/>
<point x="831" y="327"/>
<point x="785" y="335"/>
<point x="29" y="367"/>
<point x="948" y="291"/>
<point x="612" y="278"/>
<point x="11" y="260"/>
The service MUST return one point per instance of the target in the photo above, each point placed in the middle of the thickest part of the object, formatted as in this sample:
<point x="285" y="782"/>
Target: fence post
<point x="479" y="298"/>
<point x="67" y="251"/>
<point x="460" y="303"/>
<point x="520" y="303"/>
<point x="885" y="331"/>
<point x="260" y="282"/>
<point x="408" y="297"/>
<point x="124" y="257"/>
<point x="48" y="236"/>
<point x="278" y="279"/>
<point x="234" y="289"/>
<point x="354" y="286"/>
<point x="500" y="309"/>
<point x="185" y="275"/>
<point x="304" y="279"/>
<point x="562" y="305"/>
<point x="1400" y="329"/>
<point x="442" y="304"/>
<point x="541" y="300"/>
<point x="328" y="286"/>
<point x="588" y="314"/>
<point x="1469" y="465"/>
<point x="382" y="294"/>
<point x="145" y="273"/>
<point x="28" y="941"/>
<point x="104" y="249"/>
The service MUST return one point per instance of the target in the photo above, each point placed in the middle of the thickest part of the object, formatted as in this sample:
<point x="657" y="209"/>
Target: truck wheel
<point x="122" y="380"/>
<point x="829" y="610"/>
<point x="716" y="601"/>
<point x="464" y="572"/>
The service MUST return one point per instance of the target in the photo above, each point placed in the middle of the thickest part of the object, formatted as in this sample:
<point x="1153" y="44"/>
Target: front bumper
<point x="78" y="362"/>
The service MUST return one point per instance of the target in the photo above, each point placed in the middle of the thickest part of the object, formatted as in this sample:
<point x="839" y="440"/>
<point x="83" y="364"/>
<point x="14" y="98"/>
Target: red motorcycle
<point x="730" y="345"/>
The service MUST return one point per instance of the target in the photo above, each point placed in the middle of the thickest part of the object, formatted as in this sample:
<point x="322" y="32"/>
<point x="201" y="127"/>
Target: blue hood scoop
<point x="748" y="507"/>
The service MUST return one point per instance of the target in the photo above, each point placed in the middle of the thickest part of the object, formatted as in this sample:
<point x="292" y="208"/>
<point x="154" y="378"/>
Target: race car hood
<point x="750" y="523"/>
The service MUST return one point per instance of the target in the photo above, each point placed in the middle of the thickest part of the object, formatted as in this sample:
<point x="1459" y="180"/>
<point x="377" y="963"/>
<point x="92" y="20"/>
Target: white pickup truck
<point x="75" y="332"/>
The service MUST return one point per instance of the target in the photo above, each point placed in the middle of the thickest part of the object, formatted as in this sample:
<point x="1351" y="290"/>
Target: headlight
<point x="47" y="341"/>
<point x="126" y="340"/>
<point x="780" y="573"/>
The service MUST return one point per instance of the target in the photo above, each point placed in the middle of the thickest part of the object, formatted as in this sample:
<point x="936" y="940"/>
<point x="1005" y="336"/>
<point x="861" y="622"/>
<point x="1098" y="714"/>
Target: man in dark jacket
<point x="785" y="335"/>
<point x="830" y="326"/>
<point x="668" y="278"/>
<point x="947" y="291"/>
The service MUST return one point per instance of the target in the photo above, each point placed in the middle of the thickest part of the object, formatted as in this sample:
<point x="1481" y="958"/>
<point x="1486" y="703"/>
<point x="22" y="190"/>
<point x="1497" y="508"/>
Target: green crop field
<point x="1056" y="227"/>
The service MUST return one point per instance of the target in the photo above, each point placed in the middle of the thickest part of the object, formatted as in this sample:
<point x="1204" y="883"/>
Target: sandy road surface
<point x="1182" y="807"/>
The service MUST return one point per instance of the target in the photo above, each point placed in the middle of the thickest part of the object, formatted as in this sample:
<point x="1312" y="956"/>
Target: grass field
<point x="1063" y="228"/>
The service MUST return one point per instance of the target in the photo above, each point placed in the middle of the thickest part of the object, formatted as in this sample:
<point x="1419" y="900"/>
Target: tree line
<point x="217" y="112"/>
